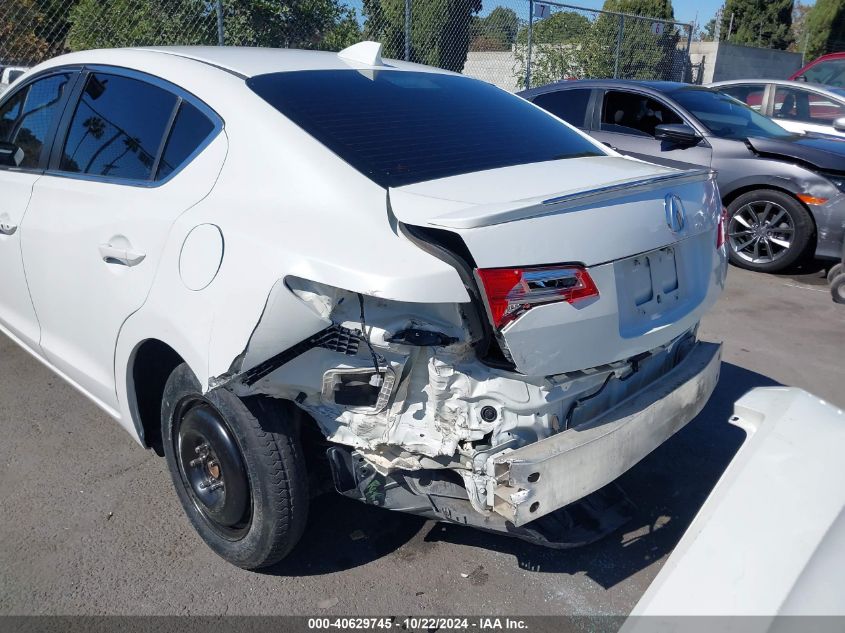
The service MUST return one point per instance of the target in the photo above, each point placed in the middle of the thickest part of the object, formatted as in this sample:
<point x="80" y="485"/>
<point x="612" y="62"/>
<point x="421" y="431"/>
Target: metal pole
<point x="804" y="48"/>
<point x="407" y="30"/>
<point x="220" y="34"/>
<point x="530" y="36"/>
<point x="731" y="27"/>
<point x="619" y="35"/>
<point x="686" y="60"/>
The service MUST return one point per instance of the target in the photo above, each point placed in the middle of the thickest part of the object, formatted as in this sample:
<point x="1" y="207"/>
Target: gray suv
<point x="785" y="193"/>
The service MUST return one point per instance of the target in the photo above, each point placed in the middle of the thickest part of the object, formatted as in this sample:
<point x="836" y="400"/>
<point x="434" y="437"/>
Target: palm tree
<point x="94" y="126"/>
<point x="132" y="145"/>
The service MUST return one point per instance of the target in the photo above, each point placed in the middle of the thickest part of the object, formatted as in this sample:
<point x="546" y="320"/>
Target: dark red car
<point x="827" y="69"/>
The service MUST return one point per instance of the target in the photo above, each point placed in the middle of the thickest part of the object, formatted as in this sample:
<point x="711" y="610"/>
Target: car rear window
<point x="400" y="127"/>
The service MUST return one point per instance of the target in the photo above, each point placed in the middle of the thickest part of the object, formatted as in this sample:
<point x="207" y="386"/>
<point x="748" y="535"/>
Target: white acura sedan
<point x="274" y="266"/>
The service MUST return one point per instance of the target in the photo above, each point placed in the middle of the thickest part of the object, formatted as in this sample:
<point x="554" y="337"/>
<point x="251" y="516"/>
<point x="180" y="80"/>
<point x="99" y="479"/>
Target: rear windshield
<point x="399" y="127"/>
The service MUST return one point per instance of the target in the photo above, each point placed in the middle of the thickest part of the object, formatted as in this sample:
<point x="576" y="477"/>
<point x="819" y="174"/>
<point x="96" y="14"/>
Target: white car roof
<point x="245" y="61"/>
<point x="830" y="91"/>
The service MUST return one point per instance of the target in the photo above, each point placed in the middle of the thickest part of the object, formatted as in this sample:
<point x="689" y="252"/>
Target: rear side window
<point x="26" y="118"/>
<point x="399" y="127"/>
<point x="118" y="128"/>
<point x="190" y="130"/>
<point x="792" y="104"/>
<point x="569" y="105"/>
<point x="633" y="113"/>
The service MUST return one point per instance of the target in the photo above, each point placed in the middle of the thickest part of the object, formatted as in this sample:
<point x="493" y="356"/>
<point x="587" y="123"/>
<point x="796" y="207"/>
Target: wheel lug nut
<point x="211" y="485"/>
<point x="198" y="461"/>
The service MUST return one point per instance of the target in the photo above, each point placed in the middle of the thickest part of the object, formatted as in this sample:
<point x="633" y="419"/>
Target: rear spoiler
<point x="500" y="213"/>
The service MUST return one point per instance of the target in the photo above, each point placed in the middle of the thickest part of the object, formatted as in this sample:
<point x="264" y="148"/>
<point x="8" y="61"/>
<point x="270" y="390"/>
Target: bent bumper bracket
<point x="541" y="477"/>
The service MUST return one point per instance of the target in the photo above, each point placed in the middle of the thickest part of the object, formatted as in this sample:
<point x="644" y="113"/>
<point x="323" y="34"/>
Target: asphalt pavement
<point x="89" y="523"/>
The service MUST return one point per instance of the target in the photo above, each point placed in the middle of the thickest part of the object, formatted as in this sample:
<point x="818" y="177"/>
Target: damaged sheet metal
<point x="403" y="388"/>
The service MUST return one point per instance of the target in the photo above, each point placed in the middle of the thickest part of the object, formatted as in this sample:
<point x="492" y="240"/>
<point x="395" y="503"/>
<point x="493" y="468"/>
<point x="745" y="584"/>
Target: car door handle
<point x="117" y="255"/>
<point x="7" y="228"/>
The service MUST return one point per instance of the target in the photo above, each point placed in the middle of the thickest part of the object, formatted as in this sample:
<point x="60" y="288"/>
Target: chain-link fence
<point x="511" y="43"/>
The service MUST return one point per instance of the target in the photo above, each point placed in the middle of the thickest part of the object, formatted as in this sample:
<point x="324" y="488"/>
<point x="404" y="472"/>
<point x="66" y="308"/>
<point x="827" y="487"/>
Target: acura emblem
<point x="676" y="216"/>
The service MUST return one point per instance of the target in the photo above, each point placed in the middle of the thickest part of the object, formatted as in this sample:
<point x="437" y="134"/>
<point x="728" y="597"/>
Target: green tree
<point x="440" y="30"/>
<point x="54" y="28"/>
<point x="324" y="24"/>
<point x="496" y="31"/>
<point x="568" y="45"/>
<point x="643" y="54"/>
<point x="708" y="32"/>
<point x="763" y="23"/>
<point x="825" y="28"/>
<point x="561" y="48"/>
<point x="20" y="42"/>
<point x="799" y="23"/>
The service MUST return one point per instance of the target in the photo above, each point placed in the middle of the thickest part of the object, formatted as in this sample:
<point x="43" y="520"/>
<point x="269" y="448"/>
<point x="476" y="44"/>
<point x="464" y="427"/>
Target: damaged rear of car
<point x="574" y="353"/>
<point x="402" y="284"/>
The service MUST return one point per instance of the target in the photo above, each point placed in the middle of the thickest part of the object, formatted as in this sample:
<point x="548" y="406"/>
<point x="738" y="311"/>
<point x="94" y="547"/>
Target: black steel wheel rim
<point x="212" y="469"/>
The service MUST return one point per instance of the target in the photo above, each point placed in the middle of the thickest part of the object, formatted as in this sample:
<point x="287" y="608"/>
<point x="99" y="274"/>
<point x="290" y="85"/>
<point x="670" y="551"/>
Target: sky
<point x="685" y="10"/>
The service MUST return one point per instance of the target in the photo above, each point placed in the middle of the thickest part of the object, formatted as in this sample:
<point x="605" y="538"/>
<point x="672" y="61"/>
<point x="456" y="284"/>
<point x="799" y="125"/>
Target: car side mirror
<point x="839" y="124"/>
<point x="678" y="133"/>
<point x="10" y="154"/>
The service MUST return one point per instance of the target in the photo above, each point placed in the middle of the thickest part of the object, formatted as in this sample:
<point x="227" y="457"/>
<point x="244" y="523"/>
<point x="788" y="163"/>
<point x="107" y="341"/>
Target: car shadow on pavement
<point x="812" y="272"/>
<point x="668" y="488"/>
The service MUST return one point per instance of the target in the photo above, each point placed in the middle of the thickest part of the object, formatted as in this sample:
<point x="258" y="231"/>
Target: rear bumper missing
<point x="539" y="478"/>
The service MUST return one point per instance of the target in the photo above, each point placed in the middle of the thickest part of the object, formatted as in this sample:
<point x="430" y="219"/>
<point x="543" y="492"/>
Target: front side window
<point x="402" y="127"/>
<point x="118" y="128"/>
<point x="569" y="105"/>
<point x="725" y="116"/>
<point x="830" y="72"/>
<point x="793" y="104"/>
<point x="632" y="113"/>
<point x="752" y="96"/>
<point x="27" y="116"/>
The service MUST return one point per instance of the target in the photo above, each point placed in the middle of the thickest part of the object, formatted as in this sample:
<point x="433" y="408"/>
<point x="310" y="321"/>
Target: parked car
<point x="9" y="74"/>
<point x="785" y="193"/>
<point x="274" y="262"/>
<point x="797" y="107"/>
<point x="828" y="70"/>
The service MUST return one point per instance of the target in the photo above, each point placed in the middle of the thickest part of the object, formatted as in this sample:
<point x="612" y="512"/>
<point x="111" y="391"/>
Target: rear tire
<point x="768" y="230"/>
<point x="238" y="469"/>
<point x="834" y="272"/>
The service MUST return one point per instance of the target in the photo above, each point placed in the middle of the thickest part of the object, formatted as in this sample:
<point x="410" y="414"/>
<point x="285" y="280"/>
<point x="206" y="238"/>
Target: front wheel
<point x="238" y="469"/>
<point x="768" y="230"/>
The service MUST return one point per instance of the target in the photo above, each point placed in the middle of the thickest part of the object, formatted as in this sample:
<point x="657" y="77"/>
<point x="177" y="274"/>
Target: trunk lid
<point x="655" y="264"/>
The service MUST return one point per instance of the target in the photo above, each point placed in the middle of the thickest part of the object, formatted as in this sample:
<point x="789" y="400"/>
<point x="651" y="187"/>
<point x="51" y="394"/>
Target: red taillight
<point x="512" y="291"/>
<point x="722" y="228"/>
